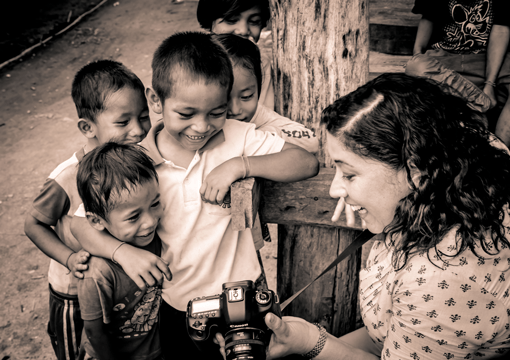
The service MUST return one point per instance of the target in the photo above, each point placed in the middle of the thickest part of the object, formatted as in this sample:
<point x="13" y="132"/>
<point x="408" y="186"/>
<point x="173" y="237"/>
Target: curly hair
<point x="412" y="123"/>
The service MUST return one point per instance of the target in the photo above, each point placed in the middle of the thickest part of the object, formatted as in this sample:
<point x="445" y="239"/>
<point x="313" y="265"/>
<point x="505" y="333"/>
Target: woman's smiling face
<point x="371" y="188"/>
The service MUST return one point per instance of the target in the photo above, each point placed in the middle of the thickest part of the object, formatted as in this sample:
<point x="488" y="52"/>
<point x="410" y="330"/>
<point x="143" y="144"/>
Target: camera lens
<point x="245" y="343"/>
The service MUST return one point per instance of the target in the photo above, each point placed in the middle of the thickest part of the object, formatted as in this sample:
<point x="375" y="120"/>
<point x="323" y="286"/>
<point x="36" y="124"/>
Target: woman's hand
<point x="349" y="214"/>
<point x="291" y="335"/>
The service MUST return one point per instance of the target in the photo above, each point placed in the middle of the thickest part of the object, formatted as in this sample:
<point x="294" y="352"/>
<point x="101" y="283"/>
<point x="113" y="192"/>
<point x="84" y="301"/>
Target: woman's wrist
<point x="318" y="345"/>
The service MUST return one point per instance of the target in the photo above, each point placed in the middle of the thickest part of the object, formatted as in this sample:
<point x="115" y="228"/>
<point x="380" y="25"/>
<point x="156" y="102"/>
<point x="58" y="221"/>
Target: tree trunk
<point x="320" y="52"/>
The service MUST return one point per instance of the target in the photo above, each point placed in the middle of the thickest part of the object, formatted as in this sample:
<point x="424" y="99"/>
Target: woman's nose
<point x="337" y="188"/>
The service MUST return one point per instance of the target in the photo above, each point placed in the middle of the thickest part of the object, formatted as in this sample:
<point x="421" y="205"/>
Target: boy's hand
<point x="149" y="268"/>
<point x="77" y="263"/>
<point x="217" y="182"/>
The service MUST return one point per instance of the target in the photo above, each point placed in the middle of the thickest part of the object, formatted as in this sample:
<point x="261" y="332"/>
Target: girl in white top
<point x="244" y="104"/>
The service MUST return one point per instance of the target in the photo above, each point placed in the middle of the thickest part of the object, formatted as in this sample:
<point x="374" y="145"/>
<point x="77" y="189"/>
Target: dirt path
<point x="38" y="131"/>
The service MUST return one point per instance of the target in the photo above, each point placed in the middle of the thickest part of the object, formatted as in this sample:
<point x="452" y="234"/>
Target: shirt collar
<point x="149" y="143"/>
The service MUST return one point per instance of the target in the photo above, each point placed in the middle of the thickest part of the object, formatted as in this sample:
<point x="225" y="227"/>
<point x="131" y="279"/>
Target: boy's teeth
<point x="196" y="137"/>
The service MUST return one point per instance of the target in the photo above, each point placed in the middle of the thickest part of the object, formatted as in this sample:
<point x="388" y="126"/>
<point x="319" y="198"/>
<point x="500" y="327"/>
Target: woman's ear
<point x="154" y="101"/>
<point x="87" y="128"/>
<point x="415" y="173"/>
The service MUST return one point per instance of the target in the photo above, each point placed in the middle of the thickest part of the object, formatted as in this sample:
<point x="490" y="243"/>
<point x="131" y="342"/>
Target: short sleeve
<point x="261" y="142"/>
<point x="95" y="291"/>
<point x="501" y="12"/>
<point x="51" y="204"/>
<point x="291" y="131"/>
<point x="433" y="10"/>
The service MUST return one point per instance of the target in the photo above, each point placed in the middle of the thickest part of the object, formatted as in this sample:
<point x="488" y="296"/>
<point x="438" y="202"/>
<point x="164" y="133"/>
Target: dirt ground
<point x="38" y="131"/>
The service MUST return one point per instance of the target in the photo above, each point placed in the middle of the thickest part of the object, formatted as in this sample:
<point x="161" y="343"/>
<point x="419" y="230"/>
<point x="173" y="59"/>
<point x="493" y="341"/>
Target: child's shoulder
<point x="100" y="268"/>
<point x="236" y="126"/>
<point x="67" y="166"/>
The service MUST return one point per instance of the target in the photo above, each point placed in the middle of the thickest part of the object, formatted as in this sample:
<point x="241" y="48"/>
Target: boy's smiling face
<point x="194" y="112"/>
<point x="247" y="24"/>
<point x="136" y="214"/>
<point x="125" y="118"/>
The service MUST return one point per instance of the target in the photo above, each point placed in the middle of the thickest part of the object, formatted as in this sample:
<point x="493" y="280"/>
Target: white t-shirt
<point x="197" y="238"/>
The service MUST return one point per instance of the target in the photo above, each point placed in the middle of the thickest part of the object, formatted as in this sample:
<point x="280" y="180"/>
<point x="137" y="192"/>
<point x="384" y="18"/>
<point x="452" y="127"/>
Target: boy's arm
<point x="423" y="35"/>
<point x="143" y="267"/>
<point x="45" y="238"/>
<point x="292" y="163"/>
<point x="99" y="338"/>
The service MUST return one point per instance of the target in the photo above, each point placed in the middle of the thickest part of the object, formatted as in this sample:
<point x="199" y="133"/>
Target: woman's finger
<point x="338" y="209"/>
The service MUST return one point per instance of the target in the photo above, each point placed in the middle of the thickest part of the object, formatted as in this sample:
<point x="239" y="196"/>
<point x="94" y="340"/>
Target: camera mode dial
<point x="263" y="297"/>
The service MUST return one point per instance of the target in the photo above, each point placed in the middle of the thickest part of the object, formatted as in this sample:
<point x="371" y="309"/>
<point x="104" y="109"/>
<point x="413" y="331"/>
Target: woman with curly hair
<point x="418" y="165"/>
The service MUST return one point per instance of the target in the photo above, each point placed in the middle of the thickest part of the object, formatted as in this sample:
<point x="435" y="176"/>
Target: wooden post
<point x="320" y="52"/>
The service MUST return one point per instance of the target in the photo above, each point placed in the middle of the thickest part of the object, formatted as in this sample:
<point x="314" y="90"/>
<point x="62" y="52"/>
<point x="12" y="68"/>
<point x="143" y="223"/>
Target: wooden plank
<point x="304" y="202"/>
<point x="393" y="12"/>
<point x="245" y="196"/>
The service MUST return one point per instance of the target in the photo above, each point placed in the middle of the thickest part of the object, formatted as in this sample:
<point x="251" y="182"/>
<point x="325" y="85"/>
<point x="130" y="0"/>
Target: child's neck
<point x="171" y="150"/>
<point x="90" y="145"/>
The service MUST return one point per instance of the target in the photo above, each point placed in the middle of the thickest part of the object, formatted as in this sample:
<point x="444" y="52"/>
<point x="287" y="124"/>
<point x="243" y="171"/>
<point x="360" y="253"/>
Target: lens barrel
<point x="245" y="344"/>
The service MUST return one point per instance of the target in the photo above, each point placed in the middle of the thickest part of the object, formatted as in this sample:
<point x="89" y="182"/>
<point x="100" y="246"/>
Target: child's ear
<point x="95" y="221"/>
<point x="87" y="128"/>
<point x="154" y="101"/>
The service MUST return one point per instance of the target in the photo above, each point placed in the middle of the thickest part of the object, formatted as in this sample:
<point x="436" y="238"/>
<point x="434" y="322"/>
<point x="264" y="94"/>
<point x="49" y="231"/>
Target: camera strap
<point x="355" y="245"/>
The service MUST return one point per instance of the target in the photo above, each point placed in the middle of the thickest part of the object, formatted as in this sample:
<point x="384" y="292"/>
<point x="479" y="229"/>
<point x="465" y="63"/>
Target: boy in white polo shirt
<point x="198" y="155"/>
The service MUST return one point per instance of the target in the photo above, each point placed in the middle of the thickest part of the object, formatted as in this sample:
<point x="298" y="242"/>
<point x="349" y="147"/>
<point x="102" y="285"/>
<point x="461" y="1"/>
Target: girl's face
<point x="247" y="24"/>
<point x="244" y="96"/>
<point x="370" y="187"/>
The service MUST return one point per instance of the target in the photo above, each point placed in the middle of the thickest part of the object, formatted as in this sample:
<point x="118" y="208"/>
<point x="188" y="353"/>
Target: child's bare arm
<point x="99" y="339"/>
<point x="291" y="164"/>
<point x="143" y="267"/>
<point x="423" y="35"/>
<point x="45" y="238"/>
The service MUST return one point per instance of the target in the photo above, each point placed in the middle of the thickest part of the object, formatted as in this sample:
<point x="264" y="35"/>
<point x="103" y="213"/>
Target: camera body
<point x="238" y="314"/>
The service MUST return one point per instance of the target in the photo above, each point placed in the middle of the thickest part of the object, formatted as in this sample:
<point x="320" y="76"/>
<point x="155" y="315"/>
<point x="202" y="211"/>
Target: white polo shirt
<point x="197" y="238"/>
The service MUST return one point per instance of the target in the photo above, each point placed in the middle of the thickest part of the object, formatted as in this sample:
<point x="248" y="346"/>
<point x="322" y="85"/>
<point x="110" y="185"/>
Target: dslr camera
<point x="238" y="314"/>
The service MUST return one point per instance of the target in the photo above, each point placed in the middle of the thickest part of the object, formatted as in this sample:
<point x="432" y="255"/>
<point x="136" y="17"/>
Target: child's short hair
<point x="109" y="169"/>
<point x="194" y="53"/>
<point x="242" y="52"/>
<point x="95" y="82"/>
<point x="210" y="10"/>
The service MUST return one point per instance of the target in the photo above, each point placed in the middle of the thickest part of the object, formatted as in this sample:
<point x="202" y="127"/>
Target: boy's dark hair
<point x="109" y="169"/>
<point x="210" y="10"/>
<point x="95" y="82"/>
<point x="242" y="52"/>
<point x="193" y="54"/>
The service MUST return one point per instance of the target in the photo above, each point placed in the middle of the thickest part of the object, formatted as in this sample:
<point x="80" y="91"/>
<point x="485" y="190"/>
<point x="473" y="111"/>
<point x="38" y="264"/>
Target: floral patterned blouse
<point x="443" y="308"/>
